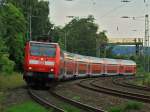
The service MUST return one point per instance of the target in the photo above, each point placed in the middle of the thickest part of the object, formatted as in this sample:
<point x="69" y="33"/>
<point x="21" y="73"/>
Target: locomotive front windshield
<point x="48" y="50"/>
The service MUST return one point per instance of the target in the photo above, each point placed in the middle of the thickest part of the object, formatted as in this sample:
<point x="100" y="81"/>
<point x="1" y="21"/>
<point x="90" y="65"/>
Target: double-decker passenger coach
<point x="45" y="61"/>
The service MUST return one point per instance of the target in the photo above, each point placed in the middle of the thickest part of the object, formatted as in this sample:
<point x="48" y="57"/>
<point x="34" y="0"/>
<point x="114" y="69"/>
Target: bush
<point x="146" y="80"/>
<point x="6" y="65"/>
<point x="11" y="81"/>
<point x="132" y="105"/>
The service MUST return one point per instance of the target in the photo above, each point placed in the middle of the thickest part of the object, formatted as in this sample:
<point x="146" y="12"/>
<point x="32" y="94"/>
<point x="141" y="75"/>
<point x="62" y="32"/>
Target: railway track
<point x="78" y="104"/>
<point x="44" y="102"/>
<point x="124" y="83"/>
<point x="130" y="95"/>
<point x="53" y="102"/>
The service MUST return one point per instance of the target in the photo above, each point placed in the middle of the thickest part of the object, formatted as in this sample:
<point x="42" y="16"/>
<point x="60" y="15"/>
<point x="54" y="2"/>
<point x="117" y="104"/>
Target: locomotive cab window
<point x="48" y="50"/>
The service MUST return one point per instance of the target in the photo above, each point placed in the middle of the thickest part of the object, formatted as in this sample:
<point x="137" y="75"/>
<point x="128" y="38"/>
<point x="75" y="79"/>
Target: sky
<point x="107" y="14"/>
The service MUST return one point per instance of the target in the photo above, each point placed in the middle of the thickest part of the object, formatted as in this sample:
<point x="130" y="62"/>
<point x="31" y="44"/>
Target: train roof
<point x="82" y="58"/>
<point x="111" y="61"/>
<point x="42" y="42"/>
<point x="96" y="60"/>
<point x="128" y="62"/>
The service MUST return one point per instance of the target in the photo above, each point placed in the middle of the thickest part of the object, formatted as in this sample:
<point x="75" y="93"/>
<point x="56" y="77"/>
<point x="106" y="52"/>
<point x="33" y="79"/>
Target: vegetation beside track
<point x="132" y="105"/>
<point x="145" y="81"/>
<point x="28" y="106"/>
<point x="8" y="82"/>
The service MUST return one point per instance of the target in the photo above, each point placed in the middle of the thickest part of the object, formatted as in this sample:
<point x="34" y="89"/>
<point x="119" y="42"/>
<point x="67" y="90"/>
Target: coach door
<point x="121" y="69"/>
<point x="104" y="66"/>
<point x="69" y="66"/>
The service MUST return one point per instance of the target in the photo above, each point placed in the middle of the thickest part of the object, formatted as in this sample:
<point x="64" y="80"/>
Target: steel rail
<point x="129" y="85"/>
<point x="110" y="91"/>
<point x="76" y="103"/>
<point x="43" y="101"/>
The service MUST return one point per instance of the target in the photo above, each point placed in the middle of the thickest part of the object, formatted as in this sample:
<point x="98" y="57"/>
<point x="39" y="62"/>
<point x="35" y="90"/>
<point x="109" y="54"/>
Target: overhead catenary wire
<point x="114" y="9"/>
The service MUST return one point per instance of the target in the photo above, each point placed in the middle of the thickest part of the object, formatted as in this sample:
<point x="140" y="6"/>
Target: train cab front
<point x="41" y="62"/>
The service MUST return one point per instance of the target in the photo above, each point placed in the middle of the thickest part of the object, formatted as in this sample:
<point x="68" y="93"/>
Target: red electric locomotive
<point x="45" y="61"/>
<point x="41" y="61"/>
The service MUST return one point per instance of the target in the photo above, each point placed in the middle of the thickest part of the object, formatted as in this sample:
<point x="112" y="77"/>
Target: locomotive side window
<point x="42" y="50"/>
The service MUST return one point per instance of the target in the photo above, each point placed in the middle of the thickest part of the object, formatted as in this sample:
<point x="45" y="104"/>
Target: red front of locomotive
<point x="41" y="61"/>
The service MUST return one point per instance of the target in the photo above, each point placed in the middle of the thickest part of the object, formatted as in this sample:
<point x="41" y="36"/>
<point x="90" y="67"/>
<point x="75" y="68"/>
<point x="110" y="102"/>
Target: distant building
<point x="125" y="40"/>
<point x="126" y="46"/>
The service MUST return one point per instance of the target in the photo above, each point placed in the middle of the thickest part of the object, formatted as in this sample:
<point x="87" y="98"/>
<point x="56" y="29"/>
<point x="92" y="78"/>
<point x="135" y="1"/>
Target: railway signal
<point x="125" y="1"/>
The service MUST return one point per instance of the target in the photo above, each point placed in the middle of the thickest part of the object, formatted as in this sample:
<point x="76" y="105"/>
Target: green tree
<point x="15" y="24"/>
<point x="6" y="65"/>
<point x="80" y="36"/>
<point x="101" y="43"/>
<point x="56" y="33"/>
<point x="37" y="11"/>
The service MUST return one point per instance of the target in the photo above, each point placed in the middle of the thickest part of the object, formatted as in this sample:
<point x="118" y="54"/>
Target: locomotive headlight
<point x="52" y="70"/>
<point x="30" y="68"/>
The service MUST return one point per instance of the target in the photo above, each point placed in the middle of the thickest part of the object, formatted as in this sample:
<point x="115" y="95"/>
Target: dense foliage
<point x="80" y="36"/>
<point x="14" y="29"/>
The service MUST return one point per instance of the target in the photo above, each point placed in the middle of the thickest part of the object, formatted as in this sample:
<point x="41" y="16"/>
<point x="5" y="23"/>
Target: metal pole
<point x="99" y="51"/>
<point x="49" y="10"/>
<point x="96" y="47"/>
<point x="105" y="52"/>
<point x="30" y="27"/>
<point x="65" y="41"/>
<point x="146" y="44"/>
<point x="50" y="2"/>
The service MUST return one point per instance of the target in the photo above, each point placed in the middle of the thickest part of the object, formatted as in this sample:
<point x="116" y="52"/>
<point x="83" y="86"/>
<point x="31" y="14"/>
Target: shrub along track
<point x="59" y="103"/>
<point x="106" y="85"/>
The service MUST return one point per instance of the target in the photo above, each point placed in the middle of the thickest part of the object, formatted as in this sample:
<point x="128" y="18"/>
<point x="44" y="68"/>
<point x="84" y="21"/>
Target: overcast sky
<point x="107" y="13"/>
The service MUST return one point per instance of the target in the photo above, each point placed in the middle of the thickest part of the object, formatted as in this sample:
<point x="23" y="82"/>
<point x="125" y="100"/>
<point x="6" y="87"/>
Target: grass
<point x="146" y="80"/>
<point x="2" y="96"/>
<point x="77" y="98"/>
<point x="7" y="82"/>
<point x="10" y="81"/>
<point x="28" y="106"/>
<point x="131" y="105"/>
